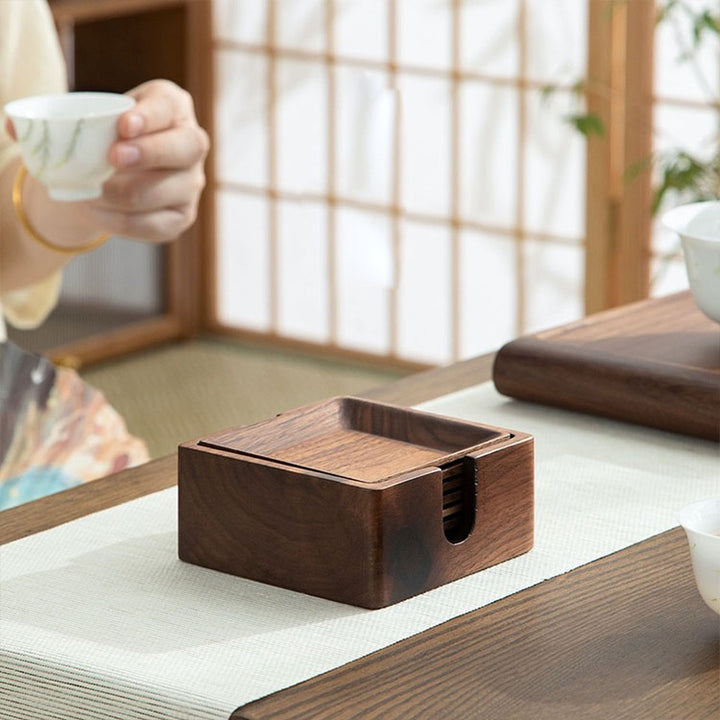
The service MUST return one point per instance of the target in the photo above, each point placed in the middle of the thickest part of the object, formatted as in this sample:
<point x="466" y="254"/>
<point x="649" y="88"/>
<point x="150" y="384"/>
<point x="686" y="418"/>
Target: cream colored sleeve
<point x="31" y="63"/>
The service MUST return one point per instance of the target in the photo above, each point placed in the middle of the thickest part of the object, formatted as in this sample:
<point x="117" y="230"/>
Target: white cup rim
<point x="689" y="516"/>
<point x="28" y="108"/>
<point x="678" y="218"/>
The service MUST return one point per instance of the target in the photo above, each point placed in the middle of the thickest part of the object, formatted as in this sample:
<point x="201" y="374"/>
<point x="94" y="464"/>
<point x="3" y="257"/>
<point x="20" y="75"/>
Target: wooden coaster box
<point x="356" y="501"/>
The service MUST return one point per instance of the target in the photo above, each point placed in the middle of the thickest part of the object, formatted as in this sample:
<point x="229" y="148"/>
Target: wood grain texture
<point x="618" y="207"/>
<point x="357" y="439"/>
<point x="634" y="220"/>
<point x="601" y="199"/>
<point x="654" y="363"/>
<point x="356" y="501"/>
<point x="624" y="637"/>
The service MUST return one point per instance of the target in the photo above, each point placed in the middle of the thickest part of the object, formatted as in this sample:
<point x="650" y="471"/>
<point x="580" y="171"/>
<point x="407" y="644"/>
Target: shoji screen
<point x="390" y="180"/>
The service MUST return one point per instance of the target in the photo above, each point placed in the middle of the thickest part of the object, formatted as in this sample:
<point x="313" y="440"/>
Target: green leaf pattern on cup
<point x="28" y="131"/>
<point x="72" y="145"/>
<point x="43" y="147"/>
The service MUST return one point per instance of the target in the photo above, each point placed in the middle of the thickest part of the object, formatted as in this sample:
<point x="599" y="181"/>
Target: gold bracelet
<point x="17" y="197"/>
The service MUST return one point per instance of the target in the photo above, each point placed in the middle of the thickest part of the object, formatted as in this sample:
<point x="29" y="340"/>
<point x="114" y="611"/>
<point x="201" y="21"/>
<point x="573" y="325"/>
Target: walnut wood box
<point x="356" y="501"/>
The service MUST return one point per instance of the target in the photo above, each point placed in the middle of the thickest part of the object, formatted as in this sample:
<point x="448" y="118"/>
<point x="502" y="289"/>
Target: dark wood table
<point x="626" y="636"/>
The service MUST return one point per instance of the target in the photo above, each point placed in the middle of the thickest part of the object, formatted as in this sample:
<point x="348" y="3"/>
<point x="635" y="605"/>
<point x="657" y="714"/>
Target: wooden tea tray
<point x="356" y="501"/>
<point x="655" y="363"/>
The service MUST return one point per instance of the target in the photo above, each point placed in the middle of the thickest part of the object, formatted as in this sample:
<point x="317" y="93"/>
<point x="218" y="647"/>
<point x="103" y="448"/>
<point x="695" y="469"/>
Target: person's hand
<point x="159" y="157"/>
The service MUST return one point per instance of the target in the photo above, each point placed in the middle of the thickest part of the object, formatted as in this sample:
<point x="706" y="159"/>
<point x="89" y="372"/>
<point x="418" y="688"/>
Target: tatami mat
<point x="182" y="391"/>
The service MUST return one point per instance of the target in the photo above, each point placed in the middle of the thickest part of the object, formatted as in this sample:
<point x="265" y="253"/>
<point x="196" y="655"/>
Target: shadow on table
<point x="136" y="595"/>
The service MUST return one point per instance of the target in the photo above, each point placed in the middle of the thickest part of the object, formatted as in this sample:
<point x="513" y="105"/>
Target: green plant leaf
<point x="684" y="173"/>
<point x="665" y="10"/>
<point x="579" y="87"/>
<point x="705" y="22"/>
<point x="638" y="167"/>
<point x="588" y="124"/>
<point x="546" y="92"/>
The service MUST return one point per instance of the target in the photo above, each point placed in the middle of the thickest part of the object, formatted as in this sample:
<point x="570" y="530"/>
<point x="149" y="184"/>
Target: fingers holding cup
<point x="178" y="148"/>
<point x="160" y="157"/>
<point x="150" y="190"/>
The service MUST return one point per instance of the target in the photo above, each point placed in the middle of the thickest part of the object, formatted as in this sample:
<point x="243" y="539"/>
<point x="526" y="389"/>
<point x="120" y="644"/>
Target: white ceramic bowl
<point x="701" y="522"/>
<point x="698" y="225"/>
<point x="64" y="139"/>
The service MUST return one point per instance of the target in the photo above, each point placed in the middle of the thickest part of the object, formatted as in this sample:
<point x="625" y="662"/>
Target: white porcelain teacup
<point x="64" y="139"/>
<point x="701" y="522"/>
<point x="698" y="225"/>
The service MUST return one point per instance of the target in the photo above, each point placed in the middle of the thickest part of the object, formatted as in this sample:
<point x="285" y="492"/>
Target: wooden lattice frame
<point x="619" y="224"/>
<point x="456" y="75"/>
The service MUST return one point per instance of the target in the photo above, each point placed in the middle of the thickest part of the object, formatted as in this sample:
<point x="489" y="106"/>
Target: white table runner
<point x="99" y="619"/>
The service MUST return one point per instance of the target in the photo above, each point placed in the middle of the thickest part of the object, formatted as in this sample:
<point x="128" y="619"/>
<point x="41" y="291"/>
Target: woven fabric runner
<point x="99" y="619"/>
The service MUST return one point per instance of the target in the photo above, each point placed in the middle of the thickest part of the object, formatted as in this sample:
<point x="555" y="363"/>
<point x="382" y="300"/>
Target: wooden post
<point x="620" y="92"/>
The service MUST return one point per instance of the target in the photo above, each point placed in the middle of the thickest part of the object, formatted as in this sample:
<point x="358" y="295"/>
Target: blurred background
<point x="394" y="185"/>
